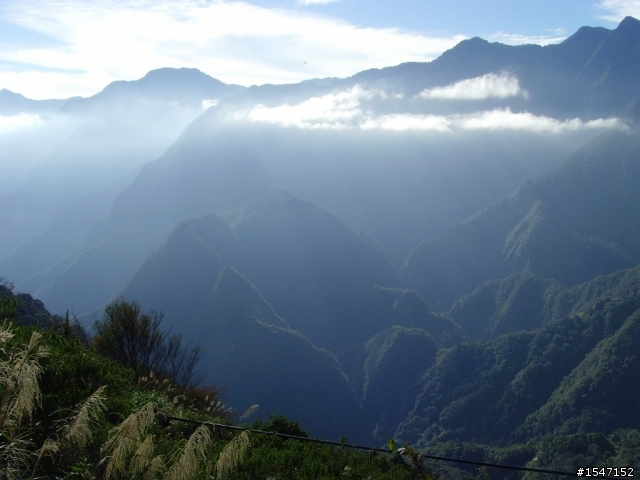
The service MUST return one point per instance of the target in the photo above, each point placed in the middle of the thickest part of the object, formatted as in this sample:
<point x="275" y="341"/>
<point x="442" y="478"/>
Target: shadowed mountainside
<point x="316" y="272"/>
<point x="259" y="360"/>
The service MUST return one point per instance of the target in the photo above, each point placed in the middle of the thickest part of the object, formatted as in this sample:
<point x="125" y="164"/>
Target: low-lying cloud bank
<point x="335" y="110"/>
<point x="348" y="109"/>
<point x="12" y="122"/>
<point x="497" y="119"/>
<point x="479" y="88"/>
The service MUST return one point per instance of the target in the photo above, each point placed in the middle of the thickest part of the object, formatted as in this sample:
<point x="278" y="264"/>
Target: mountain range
<point x="436" y="252"/>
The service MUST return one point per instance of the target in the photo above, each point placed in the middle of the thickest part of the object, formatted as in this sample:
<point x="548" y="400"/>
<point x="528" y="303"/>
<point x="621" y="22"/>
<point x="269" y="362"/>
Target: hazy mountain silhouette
<point x="185" y="87"/>
<point x="31" y="266"/>
<point x="320" y="277"/>
<point x="314" y="270"/>
<point x="144" y="214"/>
<point x="116" y="132"/>
<point x="396" y="359"/>
<point x="379" y="183"/>
<point x="12" y="103"/>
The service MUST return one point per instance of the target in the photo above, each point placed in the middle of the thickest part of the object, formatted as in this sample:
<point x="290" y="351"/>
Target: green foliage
<point x="8" y="307"/>
<point x="136" y="340"/>
<point x="32" y="434"/>
<point x="20" y="395"/>
<point x="600" y="394"/>
<point x="280" y="424"/>
<point x="273" y="457"/>
<point x="195" y="400"/>
<point x="522" y="301"/>
<point x="71" y="374"/>
<point x="190" y="452"/>
<point x="558" y="379"/>
<point x="73" y="371"/>
<point x="570" y="452"/>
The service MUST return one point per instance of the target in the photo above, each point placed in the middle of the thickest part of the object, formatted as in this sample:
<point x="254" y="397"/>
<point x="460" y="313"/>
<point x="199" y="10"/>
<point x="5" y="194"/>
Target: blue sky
<point x="74" y="47"/>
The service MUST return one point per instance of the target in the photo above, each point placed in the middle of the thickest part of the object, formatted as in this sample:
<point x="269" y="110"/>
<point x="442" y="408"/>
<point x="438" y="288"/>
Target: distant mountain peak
<point x="628" y="32"/>
<point x="163" y="70"/>
<point x="8" y="93"/>
<point x="475" y="40"/>
<point x="184" y="86"/>
<point x="470" y="44"/>
<point x="628" y="23"/>
<point x="586" y="38"/>
<point x="172" y="74"/>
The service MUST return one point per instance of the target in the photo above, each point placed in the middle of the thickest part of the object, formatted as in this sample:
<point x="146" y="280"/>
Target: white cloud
<point x="400" y="122"/>
<point x="519" y="39"/>
<point x="231" y="40"/>
<point x="618" y="9"/>
<point x="492" y="120"/>
<point x="333" y="111"/>
<point x="505" y="119"/>
<point x="8" y="123"/>
<point x="345" y="110"/>
<point x="208" y="102"/>
<point x="479" y="88"/>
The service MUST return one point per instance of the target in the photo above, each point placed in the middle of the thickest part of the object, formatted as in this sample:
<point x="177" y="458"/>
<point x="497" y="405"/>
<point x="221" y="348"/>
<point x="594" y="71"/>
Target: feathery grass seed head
<point x="125" y="439"/>
<point x="193" y="453"/>
<point x="78" y="430"/>
<point x="232" y="455"/>
<point x="156" y="467"/>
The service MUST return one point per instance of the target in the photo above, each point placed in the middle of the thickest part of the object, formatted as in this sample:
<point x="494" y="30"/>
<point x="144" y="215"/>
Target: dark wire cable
<point x="372" y="449"/>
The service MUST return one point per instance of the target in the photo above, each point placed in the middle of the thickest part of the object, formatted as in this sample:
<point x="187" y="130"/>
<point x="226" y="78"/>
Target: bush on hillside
<point x="137" y="341"/>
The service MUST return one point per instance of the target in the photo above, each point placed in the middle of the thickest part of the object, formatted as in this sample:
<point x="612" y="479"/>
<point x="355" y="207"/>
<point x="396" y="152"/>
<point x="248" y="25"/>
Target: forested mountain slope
<point x="522" y="301"/>
<point x="571" y="225"/>
<point x="553" y="380"/>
